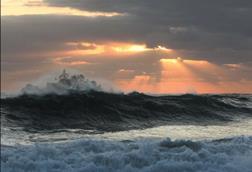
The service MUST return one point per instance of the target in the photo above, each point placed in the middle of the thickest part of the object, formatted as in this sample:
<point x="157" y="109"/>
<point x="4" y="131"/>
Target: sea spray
<point x="64" y="84"/>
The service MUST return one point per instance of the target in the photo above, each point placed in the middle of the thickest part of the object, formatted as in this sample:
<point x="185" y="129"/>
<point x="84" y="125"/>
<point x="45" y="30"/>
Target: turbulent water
<point x="114" y="112"/>
<point x="98" y="131"/>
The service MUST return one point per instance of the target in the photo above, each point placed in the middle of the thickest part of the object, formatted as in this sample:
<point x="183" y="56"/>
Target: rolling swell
<point x="114" y="112"/>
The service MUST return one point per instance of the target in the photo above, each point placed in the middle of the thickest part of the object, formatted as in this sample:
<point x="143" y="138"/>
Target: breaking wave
<point x="75" y="102"/>
<point x="40" y="128"/>
<point x="65" y="84"/>
<point x="114" y="112"/>
<point x="87" y="155"/>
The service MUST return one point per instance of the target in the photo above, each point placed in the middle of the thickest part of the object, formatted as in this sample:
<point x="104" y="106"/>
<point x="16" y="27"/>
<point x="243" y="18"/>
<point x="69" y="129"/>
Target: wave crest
<point x="65" y="84"/>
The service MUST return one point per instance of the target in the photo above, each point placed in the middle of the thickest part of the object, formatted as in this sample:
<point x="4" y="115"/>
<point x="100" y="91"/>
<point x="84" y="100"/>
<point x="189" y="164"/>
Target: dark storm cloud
<point x="211" y="29"/>
<point x="22" y="33"/>
<point x="182" y="24"/>
<point x="215" y="30"/>
<point x="212" y="15"/>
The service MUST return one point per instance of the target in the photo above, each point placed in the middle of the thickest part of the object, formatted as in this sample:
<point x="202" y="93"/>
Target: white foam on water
<point x="148" y="155"/>
<point x="187" y="148"/>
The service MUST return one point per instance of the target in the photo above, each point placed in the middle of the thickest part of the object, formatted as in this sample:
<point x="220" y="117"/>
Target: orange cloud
<point x="69" y="61"/>
<point x="38" y="7"/>
<point x="129" y="48"/>
<point x="108" y="48"/>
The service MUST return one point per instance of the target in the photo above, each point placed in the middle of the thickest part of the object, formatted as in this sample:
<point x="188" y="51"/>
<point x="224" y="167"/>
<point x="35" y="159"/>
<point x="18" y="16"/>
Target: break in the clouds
<point x="126" y="40"/>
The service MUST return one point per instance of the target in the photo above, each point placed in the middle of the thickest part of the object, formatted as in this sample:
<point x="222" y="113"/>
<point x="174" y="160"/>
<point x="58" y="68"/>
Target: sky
<point x="151" y="46"/>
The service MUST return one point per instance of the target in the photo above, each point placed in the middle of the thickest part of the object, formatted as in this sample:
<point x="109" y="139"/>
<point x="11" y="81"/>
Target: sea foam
<point x="148" y="155"/>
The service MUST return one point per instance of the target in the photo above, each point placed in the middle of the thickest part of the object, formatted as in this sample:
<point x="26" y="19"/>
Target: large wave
<point x="73" y="101"/>
<point x="113" y="112"/>
<point x="145" y="155"/>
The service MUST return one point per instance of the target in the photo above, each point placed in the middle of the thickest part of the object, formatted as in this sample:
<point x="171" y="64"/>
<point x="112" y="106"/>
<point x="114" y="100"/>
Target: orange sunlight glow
<point x="186" y="76"/>
<point x="183" y="76"/>
<point x="127" y="48"/>
<point x="162" y="48"/>
<point x="108" y="48"/>
<point x="38" y="7"/>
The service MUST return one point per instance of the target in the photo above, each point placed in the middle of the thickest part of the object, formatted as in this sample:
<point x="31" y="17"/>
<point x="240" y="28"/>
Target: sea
<point x="96" y="131"/>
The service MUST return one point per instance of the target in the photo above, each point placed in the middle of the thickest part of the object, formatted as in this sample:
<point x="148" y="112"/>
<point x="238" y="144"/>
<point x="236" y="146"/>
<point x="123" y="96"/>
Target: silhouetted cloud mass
<point x="218" y="31"/>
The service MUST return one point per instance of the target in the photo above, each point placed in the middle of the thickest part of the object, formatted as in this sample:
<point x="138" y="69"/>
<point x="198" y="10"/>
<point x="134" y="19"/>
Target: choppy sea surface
<point x="97" y="131"/>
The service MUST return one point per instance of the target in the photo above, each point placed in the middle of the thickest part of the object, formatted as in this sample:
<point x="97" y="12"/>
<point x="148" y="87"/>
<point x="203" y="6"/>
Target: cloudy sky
<point x="155" y="46"/>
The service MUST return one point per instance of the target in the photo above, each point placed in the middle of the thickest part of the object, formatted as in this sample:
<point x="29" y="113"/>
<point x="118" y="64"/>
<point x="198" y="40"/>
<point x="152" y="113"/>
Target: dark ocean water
<point x="116" y="112"/>
<point x="97" y="131"/>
